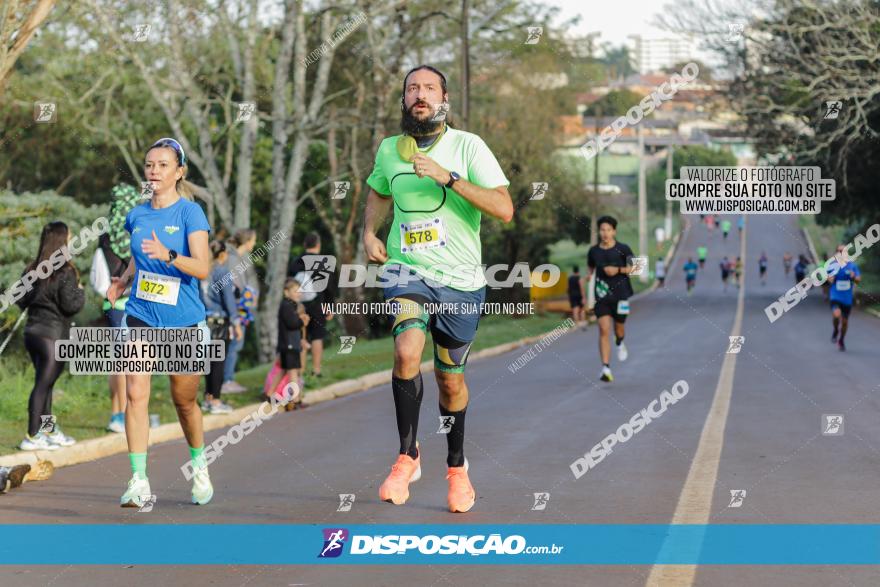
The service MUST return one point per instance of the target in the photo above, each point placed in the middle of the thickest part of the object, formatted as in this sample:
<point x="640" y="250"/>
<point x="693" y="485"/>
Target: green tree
<point x="521" y="126"/>
<point x="690" y="156"/>
<point x="617" y="60"/>
<point x="614" y="103"/>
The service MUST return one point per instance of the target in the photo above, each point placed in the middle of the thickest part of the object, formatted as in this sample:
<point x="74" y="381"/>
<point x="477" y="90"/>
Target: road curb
<point x="111" y="444"/>
<point x="810" y="245"/>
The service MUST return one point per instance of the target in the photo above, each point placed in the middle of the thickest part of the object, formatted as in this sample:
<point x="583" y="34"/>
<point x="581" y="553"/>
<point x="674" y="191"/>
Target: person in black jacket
<point x="292" y="319"/>
<point x="50" y="304"/>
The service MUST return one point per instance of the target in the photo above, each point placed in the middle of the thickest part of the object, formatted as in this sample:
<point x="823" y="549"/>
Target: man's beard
<point x="412" y="126"/>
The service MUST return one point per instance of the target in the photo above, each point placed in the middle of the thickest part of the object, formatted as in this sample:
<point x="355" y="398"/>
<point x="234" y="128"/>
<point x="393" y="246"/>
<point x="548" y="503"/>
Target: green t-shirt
<point x="436" y="232"/>
<point x="702" y="252"/>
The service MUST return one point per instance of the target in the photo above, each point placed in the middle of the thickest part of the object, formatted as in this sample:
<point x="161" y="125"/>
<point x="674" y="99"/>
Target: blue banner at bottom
<point x="409" y="544"/>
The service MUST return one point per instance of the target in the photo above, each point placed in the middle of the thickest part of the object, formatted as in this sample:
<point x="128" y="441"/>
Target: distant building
<point x="659" y="53"/>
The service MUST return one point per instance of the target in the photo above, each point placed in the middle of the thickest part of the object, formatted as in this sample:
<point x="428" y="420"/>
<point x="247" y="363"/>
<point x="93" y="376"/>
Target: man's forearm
<point x="487" y="200"/>
<point x="375" y="212"/>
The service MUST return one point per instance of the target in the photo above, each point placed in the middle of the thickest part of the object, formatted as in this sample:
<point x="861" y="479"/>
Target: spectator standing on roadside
<point x="247" y="293"/>
<point x="51" y="303"/>
<point x="312" y="281"/>
<point x="111" y="260"/>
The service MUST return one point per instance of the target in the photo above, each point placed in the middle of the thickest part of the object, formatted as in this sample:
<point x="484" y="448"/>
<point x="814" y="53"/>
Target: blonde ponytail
<point x="184" y="188"/>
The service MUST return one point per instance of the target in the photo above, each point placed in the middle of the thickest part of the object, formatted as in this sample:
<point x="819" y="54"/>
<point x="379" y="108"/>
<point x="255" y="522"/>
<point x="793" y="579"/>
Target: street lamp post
<point x="643" y="203"/>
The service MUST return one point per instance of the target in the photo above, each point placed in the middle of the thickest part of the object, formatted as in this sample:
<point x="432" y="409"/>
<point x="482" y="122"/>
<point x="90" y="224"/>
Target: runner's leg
<point x="619" y="332"/>
<point x="835" y="320"/>
<point x="407" y="387"/>
<point x="137" y="418"/>
<point x="605" y="339"/>
<point x="184" y="392"/>
<point x="453" y="402"/>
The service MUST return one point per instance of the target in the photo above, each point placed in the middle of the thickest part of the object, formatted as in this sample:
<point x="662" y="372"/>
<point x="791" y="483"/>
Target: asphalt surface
<point x="523" y="431"/>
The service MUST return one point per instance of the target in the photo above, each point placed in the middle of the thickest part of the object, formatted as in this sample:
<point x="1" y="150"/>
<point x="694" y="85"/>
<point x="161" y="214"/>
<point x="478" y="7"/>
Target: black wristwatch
<point x="453" y="177"/>
<point x="172" y="255"/>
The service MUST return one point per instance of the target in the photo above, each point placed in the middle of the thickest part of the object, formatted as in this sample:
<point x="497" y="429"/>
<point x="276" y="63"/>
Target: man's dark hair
<point x="417" y="68"/>
<point x="607" y="220"/>
<point x="575" y="269"/>
<point x="312" y="240"/>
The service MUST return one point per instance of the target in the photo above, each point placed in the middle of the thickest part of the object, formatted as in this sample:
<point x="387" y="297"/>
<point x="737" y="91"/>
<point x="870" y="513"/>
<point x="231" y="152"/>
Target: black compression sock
<point x="618" y="340"/>
<point x="455" y="437"/>
<point x="407" y="403"/>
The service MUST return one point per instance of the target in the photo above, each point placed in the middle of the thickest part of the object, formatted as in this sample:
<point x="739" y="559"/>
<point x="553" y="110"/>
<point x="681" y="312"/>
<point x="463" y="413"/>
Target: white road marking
<point x="695" y="501"/>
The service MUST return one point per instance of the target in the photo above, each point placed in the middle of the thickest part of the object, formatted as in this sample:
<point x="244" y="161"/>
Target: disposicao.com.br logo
<point x="334" y="540"/>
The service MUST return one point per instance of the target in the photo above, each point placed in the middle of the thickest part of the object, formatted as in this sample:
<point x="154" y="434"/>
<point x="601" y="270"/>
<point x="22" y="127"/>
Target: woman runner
<point x="169" y="255"/>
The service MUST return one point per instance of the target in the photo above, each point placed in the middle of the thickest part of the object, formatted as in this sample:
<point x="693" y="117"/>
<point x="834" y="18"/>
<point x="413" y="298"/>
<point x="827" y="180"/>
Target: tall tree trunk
<point x="248" y="128"/>
<point x="465" y="65"/>
<point x="271" y="294"/>
<point x="14" y="39"/>
<point x="287" y="179"/>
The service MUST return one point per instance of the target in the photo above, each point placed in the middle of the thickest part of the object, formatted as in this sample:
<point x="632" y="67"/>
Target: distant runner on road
<point x="725" y="271"/>
<point x="762" y="267"/>
<point x="843" y="276"/>
<point x="690" y="274"/>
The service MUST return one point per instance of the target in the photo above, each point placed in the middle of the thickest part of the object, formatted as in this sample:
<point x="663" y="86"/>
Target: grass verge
<point x="81" y="403"/>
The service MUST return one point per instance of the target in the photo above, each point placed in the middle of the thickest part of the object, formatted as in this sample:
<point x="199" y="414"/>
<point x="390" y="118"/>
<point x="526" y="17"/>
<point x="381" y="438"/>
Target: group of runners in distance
<point x="838" y="288"/>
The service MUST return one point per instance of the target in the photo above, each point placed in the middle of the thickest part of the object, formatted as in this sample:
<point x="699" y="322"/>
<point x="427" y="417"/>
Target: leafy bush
<point x="21" y="223"/>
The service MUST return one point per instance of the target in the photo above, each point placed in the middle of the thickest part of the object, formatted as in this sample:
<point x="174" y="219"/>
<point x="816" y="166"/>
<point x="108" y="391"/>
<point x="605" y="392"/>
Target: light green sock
<point x="138" y="463"/>
<point x="198" y="459"/>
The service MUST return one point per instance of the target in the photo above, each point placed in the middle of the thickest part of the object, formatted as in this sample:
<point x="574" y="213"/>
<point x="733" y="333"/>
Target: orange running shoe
<point x="395" y="489"/>
<point x="461" y="492"/>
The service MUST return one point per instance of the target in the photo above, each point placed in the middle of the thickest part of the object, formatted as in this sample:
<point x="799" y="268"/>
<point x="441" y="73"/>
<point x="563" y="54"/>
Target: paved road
<point x="763" y="435"/>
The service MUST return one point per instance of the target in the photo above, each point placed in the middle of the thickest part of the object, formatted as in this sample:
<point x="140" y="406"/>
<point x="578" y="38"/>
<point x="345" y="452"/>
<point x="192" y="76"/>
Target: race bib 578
<point x="419" y="236"/>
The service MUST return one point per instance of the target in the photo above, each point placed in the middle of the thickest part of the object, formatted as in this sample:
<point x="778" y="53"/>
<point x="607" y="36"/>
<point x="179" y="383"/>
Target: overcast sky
<point x="615" y="19"/>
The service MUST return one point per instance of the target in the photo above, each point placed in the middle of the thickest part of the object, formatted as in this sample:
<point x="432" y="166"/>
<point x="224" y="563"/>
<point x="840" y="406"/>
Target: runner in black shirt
<point x="612" y="262"/>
